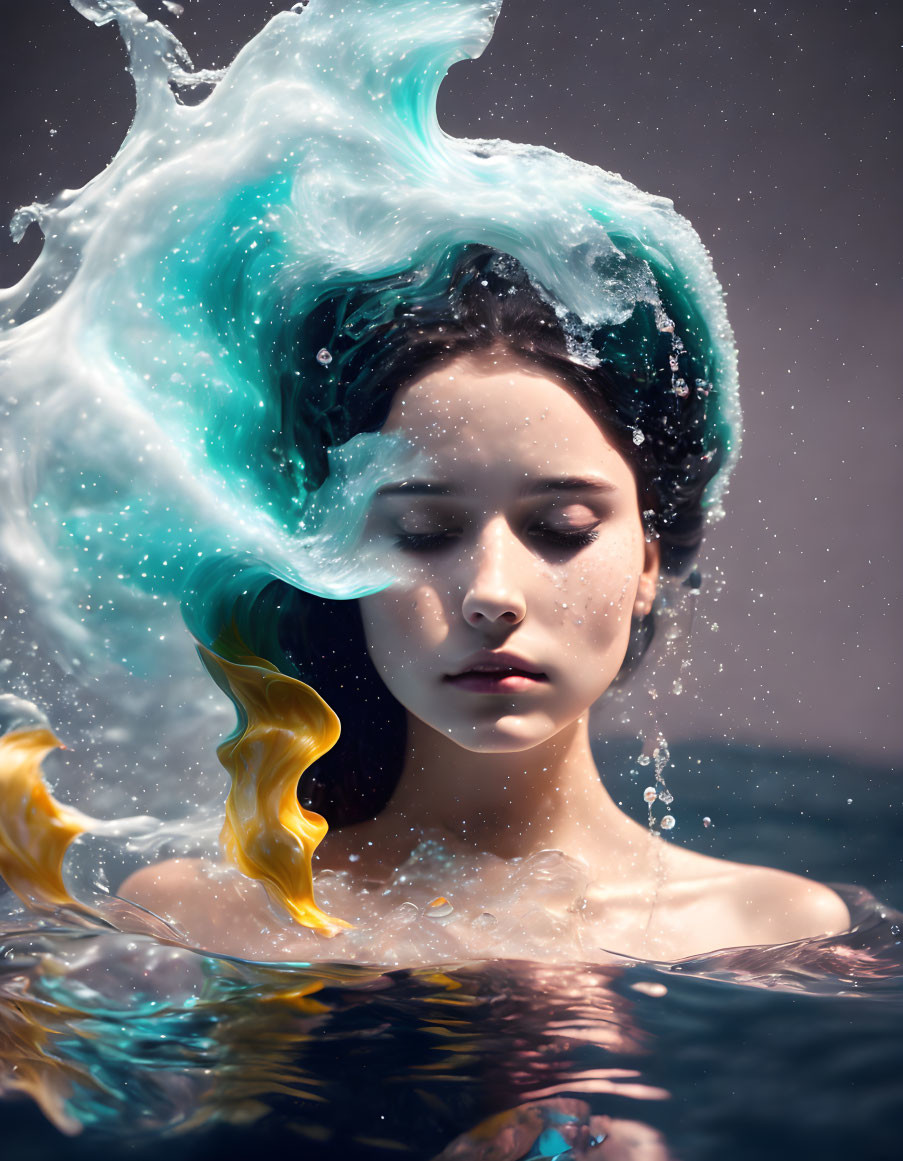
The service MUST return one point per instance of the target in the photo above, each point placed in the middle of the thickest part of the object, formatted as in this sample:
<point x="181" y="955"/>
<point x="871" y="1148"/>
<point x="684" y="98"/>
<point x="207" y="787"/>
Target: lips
<point x="497" y="672"/>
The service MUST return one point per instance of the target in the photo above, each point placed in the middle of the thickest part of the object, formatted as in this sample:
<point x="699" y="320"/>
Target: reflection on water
<point x="124" y="1041"/>
<point x="133" y="1038"/>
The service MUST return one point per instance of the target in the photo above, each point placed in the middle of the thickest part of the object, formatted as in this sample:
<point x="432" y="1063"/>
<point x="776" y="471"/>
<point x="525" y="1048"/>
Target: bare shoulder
<point x="181" y="891"/>
<point x="790" y="906"/>
<point x="163" y="883"/>
<point x="215" y="907"/>
<point x="747" y="905"/>
<point x="210" y="904"/>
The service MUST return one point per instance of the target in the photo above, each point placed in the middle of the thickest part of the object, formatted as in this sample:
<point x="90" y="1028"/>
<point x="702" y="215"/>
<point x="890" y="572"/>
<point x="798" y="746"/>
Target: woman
<point x="550" y="498"/>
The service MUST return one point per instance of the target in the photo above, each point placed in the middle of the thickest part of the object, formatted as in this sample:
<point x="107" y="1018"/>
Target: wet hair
<point x="643" y="389"/>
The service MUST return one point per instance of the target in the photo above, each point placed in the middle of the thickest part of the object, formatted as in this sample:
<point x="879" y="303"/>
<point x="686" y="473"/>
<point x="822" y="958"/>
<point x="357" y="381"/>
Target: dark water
<point x="763" y="1053"/>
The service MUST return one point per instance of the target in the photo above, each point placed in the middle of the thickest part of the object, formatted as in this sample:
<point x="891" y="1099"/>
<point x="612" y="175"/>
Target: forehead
<point x="491" y="410"/>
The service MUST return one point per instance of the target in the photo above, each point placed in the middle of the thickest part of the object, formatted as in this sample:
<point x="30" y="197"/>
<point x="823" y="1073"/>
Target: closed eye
<point x="557" y="537"/>
<point x="425" y="541"/>
<point x="568" y="538"/>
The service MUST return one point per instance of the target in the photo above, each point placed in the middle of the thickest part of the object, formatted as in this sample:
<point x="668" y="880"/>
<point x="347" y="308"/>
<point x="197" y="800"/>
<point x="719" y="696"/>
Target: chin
<point x="507" y="737"/>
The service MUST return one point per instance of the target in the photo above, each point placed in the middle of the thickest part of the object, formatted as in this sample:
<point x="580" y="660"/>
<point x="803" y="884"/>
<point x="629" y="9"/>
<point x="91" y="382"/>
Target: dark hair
<point x="643" y="389"/>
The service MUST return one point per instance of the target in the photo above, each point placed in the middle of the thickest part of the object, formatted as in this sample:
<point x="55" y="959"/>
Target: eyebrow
<point x="532" y="488"/>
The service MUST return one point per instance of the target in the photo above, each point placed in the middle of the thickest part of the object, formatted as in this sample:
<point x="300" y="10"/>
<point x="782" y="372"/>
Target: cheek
<point x="401" y="623"/>
<point x="604" y="592"/>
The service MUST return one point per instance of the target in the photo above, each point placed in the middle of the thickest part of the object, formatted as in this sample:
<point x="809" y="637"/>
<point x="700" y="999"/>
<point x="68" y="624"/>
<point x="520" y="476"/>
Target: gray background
<point x="774" y="128"/>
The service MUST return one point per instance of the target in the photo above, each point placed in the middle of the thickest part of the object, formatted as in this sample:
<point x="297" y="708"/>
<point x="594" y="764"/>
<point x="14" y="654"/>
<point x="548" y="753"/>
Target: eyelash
<point x="424" y="541"/>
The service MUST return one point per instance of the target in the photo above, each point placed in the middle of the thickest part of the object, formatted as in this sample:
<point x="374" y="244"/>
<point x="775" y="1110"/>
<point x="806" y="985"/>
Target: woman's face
<point x="521" y="551"/>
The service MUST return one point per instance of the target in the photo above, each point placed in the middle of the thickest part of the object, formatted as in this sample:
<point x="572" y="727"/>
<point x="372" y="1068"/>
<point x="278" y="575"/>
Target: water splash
<point x="284" y="727"/>
<point x="173" y="385"/>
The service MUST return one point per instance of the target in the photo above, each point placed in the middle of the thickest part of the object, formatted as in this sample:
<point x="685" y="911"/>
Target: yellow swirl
<point x="35" y="829"/>
<point x="267" y="834"/>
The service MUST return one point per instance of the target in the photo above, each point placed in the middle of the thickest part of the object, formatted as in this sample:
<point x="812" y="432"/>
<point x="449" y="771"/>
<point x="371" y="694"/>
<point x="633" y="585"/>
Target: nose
<point x="494" y="590"/>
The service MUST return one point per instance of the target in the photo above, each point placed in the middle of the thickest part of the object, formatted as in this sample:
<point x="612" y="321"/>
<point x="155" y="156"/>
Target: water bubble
<point x="324" y="357"/>
<point x="681" y="390"/>
<point x="895" y="929"/>
<point x="677" y="686"/>
<point x="707" y="822"/>
<point x="407" y="913"/>
<point x="485" y="921"/>
<point x="650" y="794"/>
<point x="849" y="802"/>
<point x="638" y="437"/>
<point x="643" y="760"/>
<point x="667" y="797"/>
<point x="300" y="6"/>
<point x="439" y="908"/>
<point x="668" y="822"/>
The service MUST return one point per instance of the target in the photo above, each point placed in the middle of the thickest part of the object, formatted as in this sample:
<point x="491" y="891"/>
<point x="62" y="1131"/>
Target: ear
<point x="648" y="584"/>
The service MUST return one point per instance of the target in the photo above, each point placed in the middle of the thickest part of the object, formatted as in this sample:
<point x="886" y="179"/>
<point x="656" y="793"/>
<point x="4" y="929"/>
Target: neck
<point x="508" y="804"/>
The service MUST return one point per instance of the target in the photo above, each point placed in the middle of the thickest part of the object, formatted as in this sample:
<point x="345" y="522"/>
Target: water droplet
<point x="650" y="794"/>
<point x="668" y="822"/>
<point x="681" y="390"/>
<point x="407" y="913"/>
<point x="707" y="822"/>
<point x="300" y="6"/>
<point x="694" y="581"/>
<point x="849" y="802"/>
<point x="439" y="908"/>
<point x="324" y="357"/>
